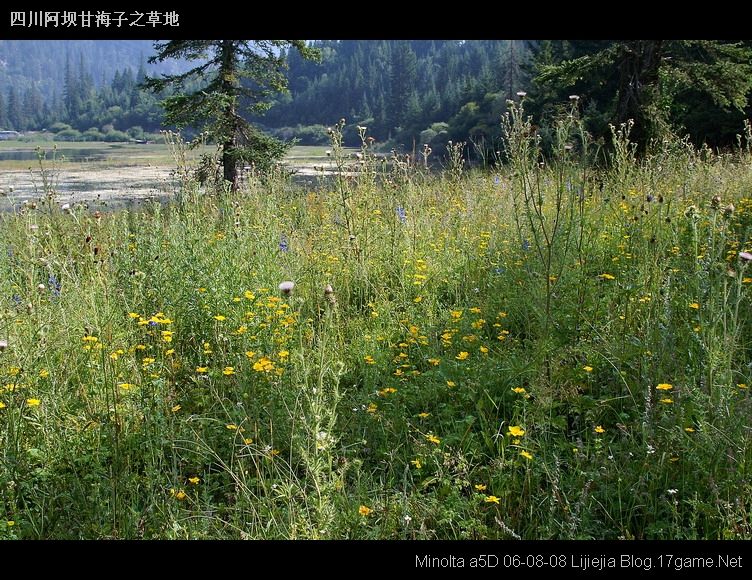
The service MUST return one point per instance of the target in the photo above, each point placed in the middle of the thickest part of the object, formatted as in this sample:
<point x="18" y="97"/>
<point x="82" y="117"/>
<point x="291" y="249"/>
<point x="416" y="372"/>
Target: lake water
<point x="97" y="187"/>
<point x="107" y="176"/>
<point x="77" y="155"/>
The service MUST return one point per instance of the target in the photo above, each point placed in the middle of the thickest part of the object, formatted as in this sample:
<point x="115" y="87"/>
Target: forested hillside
<point x="406" y="92"/>
<point x="89" y="85"/>
<point x="430" y="91"/>
<point x="404" y="89"/>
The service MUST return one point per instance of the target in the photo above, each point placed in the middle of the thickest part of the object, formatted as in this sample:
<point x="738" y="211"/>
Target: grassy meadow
<point x="539" y="350"/>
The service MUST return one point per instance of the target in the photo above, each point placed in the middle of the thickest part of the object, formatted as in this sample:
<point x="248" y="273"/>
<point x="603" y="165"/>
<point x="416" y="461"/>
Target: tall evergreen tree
<point x="4" y="123"/>
<point x="643" y="80"/>
<point x="217" y="107"/>
<point x="15" y="110"/>
<point x="32" y="108"/>
<point x="402" y="77"/>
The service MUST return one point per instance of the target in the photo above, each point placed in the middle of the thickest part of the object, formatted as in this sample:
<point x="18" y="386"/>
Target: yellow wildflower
<point x="515" y="431"/>
<point x="263" y="365"/>
<point x="364" y="511"/>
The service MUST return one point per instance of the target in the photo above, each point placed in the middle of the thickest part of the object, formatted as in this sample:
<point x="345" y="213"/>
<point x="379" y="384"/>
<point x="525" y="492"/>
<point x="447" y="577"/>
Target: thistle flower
<point x="329" y="295"/>
<point x="286" y="287"/>
<point x="746" y="256"/>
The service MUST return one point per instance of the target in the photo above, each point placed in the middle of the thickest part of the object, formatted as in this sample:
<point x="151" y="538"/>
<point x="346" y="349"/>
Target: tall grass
<point x="548" y="350"/>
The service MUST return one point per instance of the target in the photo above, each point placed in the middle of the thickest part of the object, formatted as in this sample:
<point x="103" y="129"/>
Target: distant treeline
<point x="116" y="111"/>
<point x="404" y="91"/>
<point x="431" y="91"/>
<point x="79" y="89"/>
<point x="407" y="92"/>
